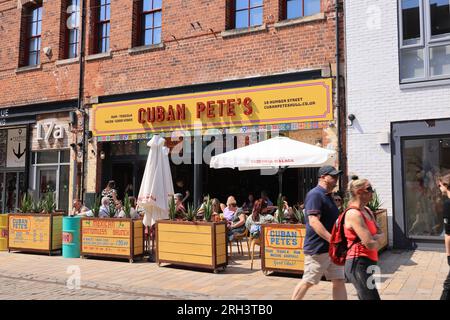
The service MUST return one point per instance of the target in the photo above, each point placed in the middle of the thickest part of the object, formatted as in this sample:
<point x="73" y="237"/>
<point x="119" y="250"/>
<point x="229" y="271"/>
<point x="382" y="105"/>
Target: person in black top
<point x="444" y="186"/>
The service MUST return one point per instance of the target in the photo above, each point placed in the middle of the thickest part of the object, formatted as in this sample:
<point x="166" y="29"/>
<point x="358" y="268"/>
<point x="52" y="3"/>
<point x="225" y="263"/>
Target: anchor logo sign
<point x="18" y="154"/>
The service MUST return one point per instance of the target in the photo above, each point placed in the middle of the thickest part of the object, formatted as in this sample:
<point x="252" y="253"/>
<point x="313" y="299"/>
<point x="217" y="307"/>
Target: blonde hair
<point x="355" y="185"/>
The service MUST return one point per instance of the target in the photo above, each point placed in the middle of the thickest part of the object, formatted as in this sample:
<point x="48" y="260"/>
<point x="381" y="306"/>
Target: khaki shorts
<point x="320" y="264"/>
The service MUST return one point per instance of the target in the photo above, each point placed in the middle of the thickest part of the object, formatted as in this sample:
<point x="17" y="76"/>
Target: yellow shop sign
<point x="260" y="105"/>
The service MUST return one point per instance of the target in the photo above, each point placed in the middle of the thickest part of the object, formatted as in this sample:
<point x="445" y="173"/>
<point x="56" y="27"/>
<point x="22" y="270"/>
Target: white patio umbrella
<point x="275" y="153"/>
<point x="156" y="186"/>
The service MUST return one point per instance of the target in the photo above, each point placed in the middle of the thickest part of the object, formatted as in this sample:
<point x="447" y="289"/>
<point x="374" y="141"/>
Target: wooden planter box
<point x="32" y="232"/>
<point x="282" y="248"/>
<point x="381" y="217"/>
<point x="193" y="244"/>
<point x="3" y="232"/>
<point x="112" y="238"/>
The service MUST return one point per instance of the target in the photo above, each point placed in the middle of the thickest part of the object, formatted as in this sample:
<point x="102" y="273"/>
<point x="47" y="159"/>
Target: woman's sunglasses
<point x="370" y="189"/>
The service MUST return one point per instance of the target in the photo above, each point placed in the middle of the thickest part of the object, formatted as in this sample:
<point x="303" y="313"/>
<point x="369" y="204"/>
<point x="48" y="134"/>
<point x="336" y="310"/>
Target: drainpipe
<point x="338" y="96"/>
<point x="80" y="98"/>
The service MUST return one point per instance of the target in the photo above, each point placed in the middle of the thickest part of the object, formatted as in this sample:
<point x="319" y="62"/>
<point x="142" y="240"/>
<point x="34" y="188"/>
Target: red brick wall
<point x="197" y="55"/>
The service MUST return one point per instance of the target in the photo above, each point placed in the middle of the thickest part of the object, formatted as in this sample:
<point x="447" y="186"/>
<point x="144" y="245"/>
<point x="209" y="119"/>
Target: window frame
<point x="426" y="43"/>
<point x="99" y="27"/>
<point x="29" y="37"/>
<point x="285" y="13"/>
<point x="249" y="9"/>
<point x="67" y="42"/>
<point x="141" y="22"/>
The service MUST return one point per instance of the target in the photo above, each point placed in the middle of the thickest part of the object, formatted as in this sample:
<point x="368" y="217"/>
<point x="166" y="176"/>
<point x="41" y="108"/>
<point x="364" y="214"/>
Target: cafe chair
<point x="253" y="243"/>
<point x="238" y="238"/>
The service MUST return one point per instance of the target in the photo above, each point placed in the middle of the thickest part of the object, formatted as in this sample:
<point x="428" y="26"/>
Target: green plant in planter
<point x="127" y="206"/>
<point x="27" y="204"/>
<point x="375" y="203"/>
<point x="280" y="210"/>
<point x="38" y="206"/>
<point x="190" y="213"/>
<point x="97" y="205"/>
<point x="172" y="208"/>
<point x="49" y="203"/>
<point x="299" y="215"/>
<point x="112" y="209"/>
<point x="208" y="211"/>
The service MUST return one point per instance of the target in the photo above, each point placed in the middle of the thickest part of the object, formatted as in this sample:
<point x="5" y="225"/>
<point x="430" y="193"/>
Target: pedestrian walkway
<point x="404" y="275"/>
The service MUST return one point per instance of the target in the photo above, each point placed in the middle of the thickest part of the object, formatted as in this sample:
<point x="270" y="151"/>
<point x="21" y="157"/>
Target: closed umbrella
<point x="275" y="153"/>
<point x="156" y="186"/>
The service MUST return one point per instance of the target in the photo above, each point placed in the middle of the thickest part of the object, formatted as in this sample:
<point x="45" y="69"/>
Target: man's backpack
<point x="338" y="241"/>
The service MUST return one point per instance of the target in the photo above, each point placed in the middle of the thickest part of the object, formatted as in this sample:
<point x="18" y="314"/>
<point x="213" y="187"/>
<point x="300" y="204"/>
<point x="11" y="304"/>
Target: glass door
<point x="47" y="181"/>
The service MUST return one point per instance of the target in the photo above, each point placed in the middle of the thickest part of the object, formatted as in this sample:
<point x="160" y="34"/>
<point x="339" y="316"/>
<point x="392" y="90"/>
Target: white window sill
<point x="67" y="61"/>
<point x="302" y="20"/>
<point x="243" y="31"/>
<point x="29" y="68"/>
<point x="142" y="49"/>
<point x="98" y="56"/>
<point x="425" y="84"/>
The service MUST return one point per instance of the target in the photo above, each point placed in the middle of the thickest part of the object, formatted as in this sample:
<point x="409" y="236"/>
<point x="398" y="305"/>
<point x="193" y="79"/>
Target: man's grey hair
<point x="105" y="201"/>
<point x="178" y="196"/>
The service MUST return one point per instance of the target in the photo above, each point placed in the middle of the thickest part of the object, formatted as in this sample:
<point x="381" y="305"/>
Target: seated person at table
<point x="248" y="205"/>
<point x="78" y="208"/>
<point x="237" y="223"/>
<point x="133" y="212"/>
<point x="265" y="196"/>
<point x="179" y="207"/>
<point x="104" y="208"/>
<point x="259" y="216"/>
<point x="230" y="209"/>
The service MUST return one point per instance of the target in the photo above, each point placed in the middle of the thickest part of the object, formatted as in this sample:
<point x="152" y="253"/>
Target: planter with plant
<point x="381" y="217"/>
<point x="191" y="242"/>
<point x="37" y="228"/>
<point x="118" y="238"/>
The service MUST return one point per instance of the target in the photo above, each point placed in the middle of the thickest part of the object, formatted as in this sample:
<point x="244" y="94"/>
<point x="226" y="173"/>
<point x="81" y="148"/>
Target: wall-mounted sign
<point x="16" y="148"/>
<point x="4" y="114"/>
<point x="51" y="132"/>
<point x="260" y="105"/>
<point x="45" y="130"/>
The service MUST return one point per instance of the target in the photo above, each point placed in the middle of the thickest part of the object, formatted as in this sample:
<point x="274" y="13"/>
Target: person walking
<point x="363" y="235"/>
<point x="321" y="215"/>
<point x="444" y="186"/>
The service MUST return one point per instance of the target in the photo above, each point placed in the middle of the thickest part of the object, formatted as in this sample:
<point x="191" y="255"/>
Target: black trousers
<point x="446" y="292"/>
<point x="357" y="272"/>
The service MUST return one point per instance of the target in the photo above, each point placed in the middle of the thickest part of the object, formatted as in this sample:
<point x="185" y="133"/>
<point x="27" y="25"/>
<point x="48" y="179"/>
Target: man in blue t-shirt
<point x="322" y="213"/>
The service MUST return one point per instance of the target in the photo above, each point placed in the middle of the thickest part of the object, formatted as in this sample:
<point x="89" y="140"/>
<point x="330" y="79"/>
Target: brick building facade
<point x="200" y="49"/>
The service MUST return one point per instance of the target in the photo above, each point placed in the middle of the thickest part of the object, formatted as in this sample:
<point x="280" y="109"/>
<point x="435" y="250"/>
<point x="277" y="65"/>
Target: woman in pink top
<point x="362" y="235"/>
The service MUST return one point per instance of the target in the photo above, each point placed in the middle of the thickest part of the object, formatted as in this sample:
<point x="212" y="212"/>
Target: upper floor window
<point x="103" y="25"/>
<point x="151" y="22"/>
<point x="301" y="8"/>
<point x="248" y="13"/>
<point x="73" y="28"/>
<point x="33" y="38"/>
<point x="424" y="40"/>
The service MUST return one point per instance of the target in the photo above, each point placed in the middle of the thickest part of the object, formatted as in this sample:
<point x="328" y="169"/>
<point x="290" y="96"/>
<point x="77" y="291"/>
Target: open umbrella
<point x="156" y="186"/>
<point x="276" y="153"/>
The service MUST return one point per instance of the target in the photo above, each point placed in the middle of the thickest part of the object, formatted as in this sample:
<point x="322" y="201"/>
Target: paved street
<point x="405" y="275"/>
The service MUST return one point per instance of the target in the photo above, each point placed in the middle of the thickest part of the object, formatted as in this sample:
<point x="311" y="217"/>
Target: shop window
<point x="147" y="21"/>
<point x="31" y="29"/>
<point x="50" y="173"/>
<point x="424" y="160"/>
<point x="244" y="13"/>
<point x="292" y="9"/>
<point x="424" y="40"/>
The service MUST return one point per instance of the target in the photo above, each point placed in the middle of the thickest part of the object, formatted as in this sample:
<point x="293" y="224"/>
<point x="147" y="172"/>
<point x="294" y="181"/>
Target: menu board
<point x="106" y="237"/>
<point x="29" y="232"/>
